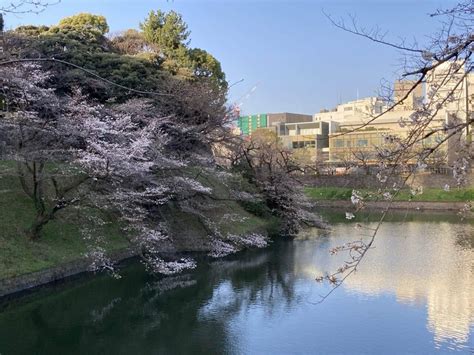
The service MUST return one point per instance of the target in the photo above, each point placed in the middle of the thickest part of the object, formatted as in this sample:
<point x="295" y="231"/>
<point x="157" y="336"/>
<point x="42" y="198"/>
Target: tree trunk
<point x="34" y="232"/>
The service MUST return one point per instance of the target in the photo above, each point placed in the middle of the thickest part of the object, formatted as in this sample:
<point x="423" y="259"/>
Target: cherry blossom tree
<point x="70" y="152"/>
<point x="130" y="159"/>
<point x="267" y="164"/>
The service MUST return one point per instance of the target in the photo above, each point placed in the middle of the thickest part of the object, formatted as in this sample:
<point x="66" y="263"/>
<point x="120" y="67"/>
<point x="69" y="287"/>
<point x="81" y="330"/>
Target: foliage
<point x="30" y="30"/>
<point x="167" y="31"/>
<point x="268" y="165"/>
<point x="86" y="21"/>
<point x="168" y="34"/>
<point x="71" y="152"/>
<point x="99" y="156"/>
<point x="257" y="208"/>
<point x="131" y="42"/>
<point x="77" y="143"/>
<point x="128" y="59"/>
<point x="204" y="65"/>
<point x="61" y="240"/>
<point x="89" y="50"/>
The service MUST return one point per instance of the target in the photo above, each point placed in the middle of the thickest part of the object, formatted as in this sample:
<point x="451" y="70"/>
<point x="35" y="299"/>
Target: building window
<point x="348" y="108"/>
<point x="302" y="144"/>
<point x="308" y="131"/>
<point x="362" y="143"/>
<point x="339" y="143"/>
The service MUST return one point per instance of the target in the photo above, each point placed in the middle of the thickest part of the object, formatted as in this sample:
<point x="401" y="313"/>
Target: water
<point x="413" y="294"/>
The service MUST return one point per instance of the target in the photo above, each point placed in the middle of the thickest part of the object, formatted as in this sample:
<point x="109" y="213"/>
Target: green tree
<point x="86" y="21"/>
<point x="30" y="30"/>
<point x="167" y="31"/>
<point x="128" y="59"/>
<point x="205" y="65"/>
<point x="169" y="34"/>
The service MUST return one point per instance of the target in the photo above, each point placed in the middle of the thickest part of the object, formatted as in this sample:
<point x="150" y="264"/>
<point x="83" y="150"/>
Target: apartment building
<point x="296" y="131"/>
<point x="360" y="135"/>
<point x="357" y="129"/>
<point x="250" y="123"/>
<point x="407" y="94"/>
<point x="357" y="111"/>
<point x="451" y="85"/>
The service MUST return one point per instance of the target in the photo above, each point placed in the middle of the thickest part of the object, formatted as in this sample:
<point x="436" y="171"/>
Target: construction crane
<point x="246" y="96"/>
<point x="240" y="101"/>
<point x="238" y="104"/>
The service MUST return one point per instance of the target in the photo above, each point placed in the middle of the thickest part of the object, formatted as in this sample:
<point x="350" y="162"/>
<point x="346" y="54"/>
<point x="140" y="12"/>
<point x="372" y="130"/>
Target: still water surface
<point x="413" y="294"/>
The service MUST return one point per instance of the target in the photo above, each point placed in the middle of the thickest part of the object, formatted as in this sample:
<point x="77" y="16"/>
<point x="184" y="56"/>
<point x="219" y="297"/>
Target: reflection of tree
<point x="196" y="312"/>
<point x="188" y="313"/>
<point x="268" y="283"/>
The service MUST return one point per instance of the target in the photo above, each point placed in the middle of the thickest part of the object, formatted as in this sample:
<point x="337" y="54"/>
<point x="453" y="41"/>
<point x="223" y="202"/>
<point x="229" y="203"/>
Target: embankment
<point x="59" y="253"/>
<point x="395" y="205"/>
<point x="17" y="284"/>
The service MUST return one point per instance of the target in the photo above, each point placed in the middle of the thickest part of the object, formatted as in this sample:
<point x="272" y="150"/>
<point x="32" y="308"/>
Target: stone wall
<point x="29" y="281"/>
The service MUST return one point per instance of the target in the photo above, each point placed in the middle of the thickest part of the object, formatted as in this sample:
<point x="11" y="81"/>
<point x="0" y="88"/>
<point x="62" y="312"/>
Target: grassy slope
<point x="61" y="240"/>
<point x="188" y="231"/>
<point x="428" y="195"/>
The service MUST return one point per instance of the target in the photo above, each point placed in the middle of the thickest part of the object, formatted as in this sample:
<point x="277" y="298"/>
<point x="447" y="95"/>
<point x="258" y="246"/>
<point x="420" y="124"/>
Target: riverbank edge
<point x="188" y="233"/>
<point x="12" y="286"/>
<point x="396" y="205"/>
<point x="17" y="285"/>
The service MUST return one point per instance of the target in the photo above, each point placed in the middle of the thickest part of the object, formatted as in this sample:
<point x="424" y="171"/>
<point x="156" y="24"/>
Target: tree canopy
<point x="205" y="65"/>
<point x="86" y="21"/>
<point x="138" y="59"/>
<point x="168" y="35"/>
<point x="130" y="42"/>
<point x="168" y="31"/>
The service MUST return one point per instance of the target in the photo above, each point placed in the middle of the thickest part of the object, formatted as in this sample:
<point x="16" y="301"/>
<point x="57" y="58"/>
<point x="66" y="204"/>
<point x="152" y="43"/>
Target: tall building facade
<point x="250" y="123"/>
<point x="350" y="131"/>
<point x="407" y="94"/>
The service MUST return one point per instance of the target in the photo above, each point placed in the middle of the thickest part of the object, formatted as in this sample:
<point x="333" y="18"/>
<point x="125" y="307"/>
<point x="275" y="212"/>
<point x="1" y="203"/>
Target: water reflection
<point x="427" y="263"/>
<point x="414" y="293"/>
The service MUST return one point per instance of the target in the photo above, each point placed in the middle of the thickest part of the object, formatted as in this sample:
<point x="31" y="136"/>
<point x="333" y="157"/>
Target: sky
<point x="289" y="55"/>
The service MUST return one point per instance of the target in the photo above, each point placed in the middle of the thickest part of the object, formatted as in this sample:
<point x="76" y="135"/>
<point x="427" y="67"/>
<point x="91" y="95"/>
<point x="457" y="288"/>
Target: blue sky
<point x="301" y="62"/>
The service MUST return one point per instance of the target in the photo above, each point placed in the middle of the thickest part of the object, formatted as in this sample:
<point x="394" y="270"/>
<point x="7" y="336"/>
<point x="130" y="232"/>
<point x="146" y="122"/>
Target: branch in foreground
<point x="87" y="71"/>
<point x="27" y="6"/>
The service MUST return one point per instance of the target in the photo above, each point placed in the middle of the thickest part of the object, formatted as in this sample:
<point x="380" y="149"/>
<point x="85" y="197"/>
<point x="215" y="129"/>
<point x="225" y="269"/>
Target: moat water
<point x="414" y="293"/>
